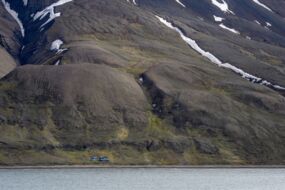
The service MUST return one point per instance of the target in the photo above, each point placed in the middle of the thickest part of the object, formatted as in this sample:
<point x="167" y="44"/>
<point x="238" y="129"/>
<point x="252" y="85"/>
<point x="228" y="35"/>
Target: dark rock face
<point x="123" y="83"/>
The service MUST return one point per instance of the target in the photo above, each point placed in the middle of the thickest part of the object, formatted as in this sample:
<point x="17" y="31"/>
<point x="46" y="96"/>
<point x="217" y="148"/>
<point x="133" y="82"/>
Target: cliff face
<point x="142" y="82"/>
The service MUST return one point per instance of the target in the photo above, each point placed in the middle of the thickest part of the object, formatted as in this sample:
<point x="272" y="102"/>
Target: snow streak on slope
<point x="229" y="29"/>
<point x="49" y="11"/>
<point x="15" y="15"/>
<point x="261" y="4"/>
<point x="222" y="5"/>
<point x="179" y="2"/>
<point x="134" y="2"/>
<point x="215" y="60"/>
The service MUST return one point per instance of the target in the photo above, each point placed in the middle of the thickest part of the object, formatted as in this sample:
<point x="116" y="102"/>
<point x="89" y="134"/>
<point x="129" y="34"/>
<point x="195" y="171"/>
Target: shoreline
<point x="146" y="167"/>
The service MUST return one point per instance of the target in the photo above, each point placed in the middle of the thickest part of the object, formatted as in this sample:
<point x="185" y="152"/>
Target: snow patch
<point x="222" y="5"/>
<point x="218" y="19"/>
<point x="55" y="46"/>
<point x="141" y="80"/>
<point x="268" y="24"/>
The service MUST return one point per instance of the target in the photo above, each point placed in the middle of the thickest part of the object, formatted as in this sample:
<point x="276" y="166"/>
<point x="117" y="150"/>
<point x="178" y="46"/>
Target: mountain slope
<point x="143" y="82"/>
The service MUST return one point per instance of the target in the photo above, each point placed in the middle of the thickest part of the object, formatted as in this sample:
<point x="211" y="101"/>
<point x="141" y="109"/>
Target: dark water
<point x="143" y="179"/>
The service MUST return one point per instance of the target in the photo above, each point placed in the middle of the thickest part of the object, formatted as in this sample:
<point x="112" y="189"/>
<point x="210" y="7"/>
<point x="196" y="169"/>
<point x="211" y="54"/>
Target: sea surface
<point x="142" y="179"/>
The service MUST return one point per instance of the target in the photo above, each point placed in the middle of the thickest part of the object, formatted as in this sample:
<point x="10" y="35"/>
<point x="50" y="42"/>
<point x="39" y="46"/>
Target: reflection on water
<point x="143" y="179"/>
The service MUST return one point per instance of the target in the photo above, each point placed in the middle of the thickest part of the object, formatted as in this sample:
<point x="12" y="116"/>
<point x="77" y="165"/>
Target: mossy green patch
<point x="158" y="128"/>
<point x="7" y="85"/>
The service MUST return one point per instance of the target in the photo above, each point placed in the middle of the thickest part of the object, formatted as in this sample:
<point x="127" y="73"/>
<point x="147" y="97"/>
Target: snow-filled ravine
<point x="193" y="44"/>
<point x="48" y="13"/>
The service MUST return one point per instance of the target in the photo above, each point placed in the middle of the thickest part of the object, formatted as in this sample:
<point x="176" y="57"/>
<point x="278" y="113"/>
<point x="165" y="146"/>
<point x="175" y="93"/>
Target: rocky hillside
<point x="142" y="81"/>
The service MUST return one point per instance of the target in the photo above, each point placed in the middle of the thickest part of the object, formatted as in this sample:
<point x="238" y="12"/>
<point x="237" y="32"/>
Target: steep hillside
<point x="142" y="82"/>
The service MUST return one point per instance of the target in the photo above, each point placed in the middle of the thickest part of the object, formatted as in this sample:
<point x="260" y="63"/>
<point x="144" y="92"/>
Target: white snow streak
<point x="15" y="15"/>
<point x="57" y="63"/>
<point x="218" y="19"/>
<point x="268" y="24"/>
<point x="49" y="11"/>
<point x="257" y="22"/>
<point x="133" y="1"/>
<point x="229" y="29"/>
<point x="215" y="60"/>
<point x="261" y="4"/>
<point x="179" y="2"/>
<point x="222" y="5"/>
